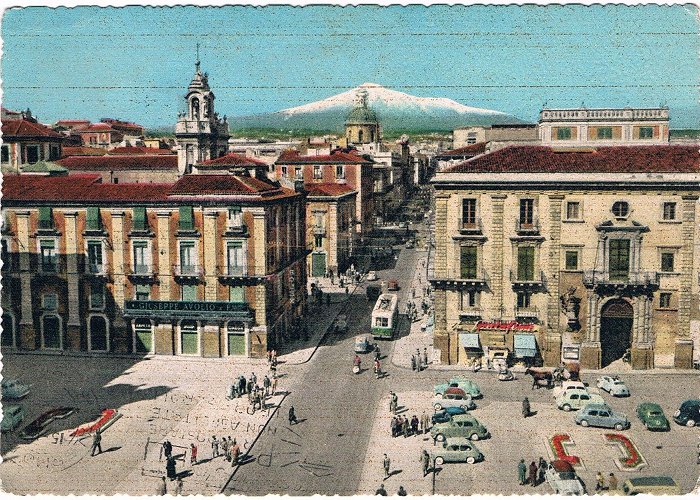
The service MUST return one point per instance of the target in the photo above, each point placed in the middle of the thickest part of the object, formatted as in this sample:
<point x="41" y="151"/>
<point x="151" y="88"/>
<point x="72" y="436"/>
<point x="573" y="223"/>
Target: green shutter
<point x="468" y="262"/>
<point x="189" y="293"/>
<point x="93" y="219"/>
<point x="140" y="221"/>
<point x="526" y="264"/>
<point x="45" y="218"/>
<point x="186" y="219"/>
<point x="236" y="294"/>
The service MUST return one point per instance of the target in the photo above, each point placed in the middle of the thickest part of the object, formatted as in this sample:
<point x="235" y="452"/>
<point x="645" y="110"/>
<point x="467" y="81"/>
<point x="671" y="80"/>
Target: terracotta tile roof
<point x="618" y="159"/>
<point x="139" y="150"/>
<point x="82" y="151"/>
<point x="97" y="127"/>
<point x="78" y="189"/>
<point x="232" y="160"/>
<point x="75" y="124"/>
<point x="25" y="128"/>
<point x="293" y="157"/>
<point x="120" y="162"/>
<point x="472" y="149"/>
<point x="225" y="184"/>
<point x="327" y="189"/>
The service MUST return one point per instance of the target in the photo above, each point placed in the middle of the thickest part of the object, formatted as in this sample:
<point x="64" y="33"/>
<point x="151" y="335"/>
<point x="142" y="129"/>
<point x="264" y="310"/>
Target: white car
<point x="567" y="385"/>
<point x="562" y="477"/>
<point x="613" y="386"/>
<point x="371" y="276"/>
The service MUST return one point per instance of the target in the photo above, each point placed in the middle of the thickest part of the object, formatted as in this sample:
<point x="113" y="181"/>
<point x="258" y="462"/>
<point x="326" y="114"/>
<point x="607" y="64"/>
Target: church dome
<point x="361" y="115"/>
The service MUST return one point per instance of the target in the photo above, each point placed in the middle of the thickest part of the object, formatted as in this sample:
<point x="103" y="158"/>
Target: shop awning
<point x="525" y="346"/>
<point x="469" y="340"/>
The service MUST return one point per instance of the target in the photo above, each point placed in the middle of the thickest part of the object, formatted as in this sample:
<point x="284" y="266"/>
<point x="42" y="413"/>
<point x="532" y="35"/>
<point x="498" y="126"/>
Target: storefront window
<point x="189" y="337"/>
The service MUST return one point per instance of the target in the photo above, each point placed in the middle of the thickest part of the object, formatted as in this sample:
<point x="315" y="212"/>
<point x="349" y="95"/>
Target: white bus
<point x="385" y="316"/>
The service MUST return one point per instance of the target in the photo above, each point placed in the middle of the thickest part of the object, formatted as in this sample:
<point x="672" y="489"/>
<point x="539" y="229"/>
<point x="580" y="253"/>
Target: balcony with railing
<point x="527" y="227"/>
<point x="231" y="271"/>
<point x="187" y="271"/>
<point x="467" y="313"/>
<point x="468" y="281"/>
<point x="530" y="313"/>
<point x="534" y="279"/>
<point x="141" y="272"/>
<point x="319" y="230"/>
<point x="594" y="278"/>
<point x="471" y="227"/>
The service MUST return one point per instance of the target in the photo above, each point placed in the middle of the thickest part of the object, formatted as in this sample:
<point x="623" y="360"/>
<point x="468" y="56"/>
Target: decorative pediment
<point x="622" y="225"/>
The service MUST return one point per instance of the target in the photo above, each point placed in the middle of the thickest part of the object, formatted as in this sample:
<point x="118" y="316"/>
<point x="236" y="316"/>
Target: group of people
<point x="226" y="447"/>
<point x="256" y="394"/>
<point x="419" y="362"/>
<point x="600" y="482"/>
<point x="381" y="491"/>
<point x="532" y="475"/>
<point x="406" y="427"/>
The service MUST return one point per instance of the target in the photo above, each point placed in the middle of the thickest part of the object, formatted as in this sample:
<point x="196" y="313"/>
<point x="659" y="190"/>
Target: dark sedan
<point x="38" y="426"/>
<point x="444" y="415"/>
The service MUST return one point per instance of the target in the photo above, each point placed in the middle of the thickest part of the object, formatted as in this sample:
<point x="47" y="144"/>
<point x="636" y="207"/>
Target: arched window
<point x="371" y="136"/>
<point x="51" y="332"/>
<point x="98" y="333"/>
<point x="195" y="109"/>
<point x="359" y="136"/>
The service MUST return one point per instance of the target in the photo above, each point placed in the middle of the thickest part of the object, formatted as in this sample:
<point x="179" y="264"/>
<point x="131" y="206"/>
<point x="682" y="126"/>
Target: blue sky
<point x="135" y="62"/>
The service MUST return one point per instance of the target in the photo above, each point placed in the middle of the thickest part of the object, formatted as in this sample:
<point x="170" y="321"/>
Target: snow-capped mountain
<point x="397" y="111"/>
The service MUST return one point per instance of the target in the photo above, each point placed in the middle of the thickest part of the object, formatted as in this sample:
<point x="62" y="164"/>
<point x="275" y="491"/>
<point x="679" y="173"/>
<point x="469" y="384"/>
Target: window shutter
<point x="186" y="219"/>
<point x="93" y="219"/>
<point x="45" y="218"/>
<point x="468" y="263"/>
<point x="526" y="263"/>
<point x="140" y="221"/>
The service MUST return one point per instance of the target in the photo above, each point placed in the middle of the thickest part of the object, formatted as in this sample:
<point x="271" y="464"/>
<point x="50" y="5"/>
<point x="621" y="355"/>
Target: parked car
<point x="562" y="478"/>
<point x="373" y="292"/>
<point x="392" y="285"/>
<point x="459" y="426"/>
<point x="652" y="416"/>
<point x="38" y="426"/>
<point x="454" y="396"/>
<point x="456" y="450"/>
<point x="410" y="244"/>
<point x="371" y="276"/>
<point x="688" y="413"/>
<point x="575" y="399"/>
<point x="463" y="383"/>
<point x="601" y="415"/>
<point x="567" y="385"/>
<point x="651" y="485"/>
<point x="12" y="389"/>
<point x="444" y="415"/>
<point x="12" y="416"/>
<point x="613" y="386"/>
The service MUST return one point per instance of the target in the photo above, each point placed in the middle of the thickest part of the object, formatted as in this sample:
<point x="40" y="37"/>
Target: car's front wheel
<point x="440" y="438"/>
<point x="619" y="426"/>
<point x="471" y="460"/>
<point x="584" y="423"/>
<point x="474" y="437"/>
<point x="437" y="406"/>
<point x="439" y="460"/>
<point x="690" y="423"/>
<point x="566" y="407"/>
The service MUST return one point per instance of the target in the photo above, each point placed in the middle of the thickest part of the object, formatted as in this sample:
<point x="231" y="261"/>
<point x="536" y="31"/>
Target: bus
<point x="385" y="316"/>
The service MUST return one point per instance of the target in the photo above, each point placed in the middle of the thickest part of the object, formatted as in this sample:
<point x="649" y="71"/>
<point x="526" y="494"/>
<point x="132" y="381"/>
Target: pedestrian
<point x="612" y="482"/>
<point x="269" y="356"/>
<point x="274" y="384"/>
<point x="425" y="422"/>
<point x="214" y="447"/>
<point x="393" y="404"/>
<point x="381" y="491"/>
<point x="274" y="356"/>
<point x="377" y="368"/>
<point x="170" y="468"/>
<point x="425" y="462"/>
<point x="541" y="469"/>
<point x="532" y="478"/>
<point x="193" y="454"/>
<point x="522" y="471"/>
<point x="162" y="487"/>
<point x="235" y="453"/>
<point x="393" y="427"/>
<point x="223" y="445"/>
<point x="414" y="425"/>
<point x="401" y="492"/>
<point x="266" y="385"/>
<point x="292" y="416"/>
<point x="406" y="427"/>
<point x="425" y="357"/>
<point x="167" y="449"/>
<point x="413" y="362"/>
<point x="249" y="387"/>
<point x="254" y="379"/>
<point x="241" y="384"/>
<point x="96" y="443"/>
<point x="599" y="482"/>
<point x="526" y="408"/>
<point x="178" y="487"/>
<point x="387" y="466"/>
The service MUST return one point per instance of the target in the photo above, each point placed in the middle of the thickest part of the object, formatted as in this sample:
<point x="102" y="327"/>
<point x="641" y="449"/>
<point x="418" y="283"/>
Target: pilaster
<point x="211" y="250"/>
<point x="259" y="234"/>
<point x="121" y="338"/>
<point x="683" y="356"/>
<point x="552" y="347"/>
<point x="27" y="334"/>
<point x="72" y="277"/>
<point x="498" y="201"/>
<point x="164" y="266"/>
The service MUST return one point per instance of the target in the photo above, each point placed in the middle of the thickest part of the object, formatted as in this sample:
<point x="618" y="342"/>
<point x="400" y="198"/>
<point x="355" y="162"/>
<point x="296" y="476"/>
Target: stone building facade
<point x="25" y="141"/>
<point x="569" y="255"/>
<point x="211" y="265"/>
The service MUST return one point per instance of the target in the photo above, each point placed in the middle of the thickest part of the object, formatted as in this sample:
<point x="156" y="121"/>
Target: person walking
<point x="522" y="471"/>
<point x="166" y="449"/>
<point x="425" y="462"/>
<point x="413" y="362"/>
<point x="394" y="403"/>
<point x="96" y="443"/>
<point x="235" y="453"/>
<point x="387" y="466"/>
<point x="214" y="447"/>
<point x="292" y="416"/>
<point x="401" y="492"/>
<point x="406" y="427"/>
<point x="170" y="468"/>
<point x="526" y="408"/>
<point x="425" y="357"/>
<point x="381" y="491"/>
<point x="241" y="384"/>
<point x="541" y="469"/>
<point x="193" y="454"/>
<point x="414" y="425"/>
<point x="393" y="427"/>
<point x="178" y="487"/>
<point x="532" y="477"/>
<point x="223" y="446"/>
<point x="274" y="384"/>
<point x="612" y="482"/>
<point x="599" y="482"/>
<point x="377" y="368"/>
<point x="162" y="487"/>
<point x="266" y="385"/>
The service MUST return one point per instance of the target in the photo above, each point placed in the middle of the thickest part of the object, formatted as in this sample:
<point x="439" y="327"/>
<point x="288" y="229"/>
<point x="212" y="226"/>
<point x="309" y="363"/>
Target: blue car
<point x="444" y="415"/>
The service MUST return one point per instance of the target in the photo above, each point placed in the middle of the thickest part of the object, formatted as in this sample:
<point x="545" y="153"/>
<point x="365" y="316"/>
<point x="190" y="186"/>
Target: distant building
<point x="125" y="168"/>
<point x="26" y="141"/>
<point x="604" y="126"/>
<point x="261" y="149"/>
<point x="445" y="159"/>
<point x="100" y="135"/>
<point x="330" y="214"/>
<point x="131" y="131"/>
<point x="234" y="164"/>
<point x="362" y="124"/>
<point x="200" y="134"/>
<point x="208" y="266"/>
<point x="495" y="136"/>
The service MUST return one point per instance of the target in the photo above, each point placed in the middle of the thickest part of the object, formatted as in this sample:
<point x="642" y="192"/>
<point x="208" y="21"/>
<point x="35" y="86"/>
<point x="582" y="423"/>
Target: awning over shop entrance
<point x="525" y="346"/>
<point x="469" y="340"/>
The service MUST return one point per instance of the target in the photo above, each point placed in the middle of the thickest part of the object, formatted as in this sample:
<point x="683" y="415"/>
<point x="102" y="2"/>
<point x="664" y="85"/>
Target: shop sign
<point x="570" y="352"/>
<point x="505" y="325"/>
<point x="184" y="309"/>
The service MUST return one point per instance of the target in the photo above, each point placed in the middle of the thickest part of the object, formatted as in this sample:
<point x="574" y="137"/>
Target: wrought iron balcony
<point x="231" y="271"/>
<point x="141" y="270"/>
<point x="527" y="312"/>
<point x="527" y="227"/>
<point x="477" y="281"/>
<point x="596" y="278"/>
<point x="187" y="270"/>
<point x="536" y="279"/>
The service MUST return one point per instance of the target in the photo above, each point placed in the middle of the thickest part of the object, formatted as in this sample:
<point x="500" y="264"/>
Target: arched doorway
<point x="615" y="330"/>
